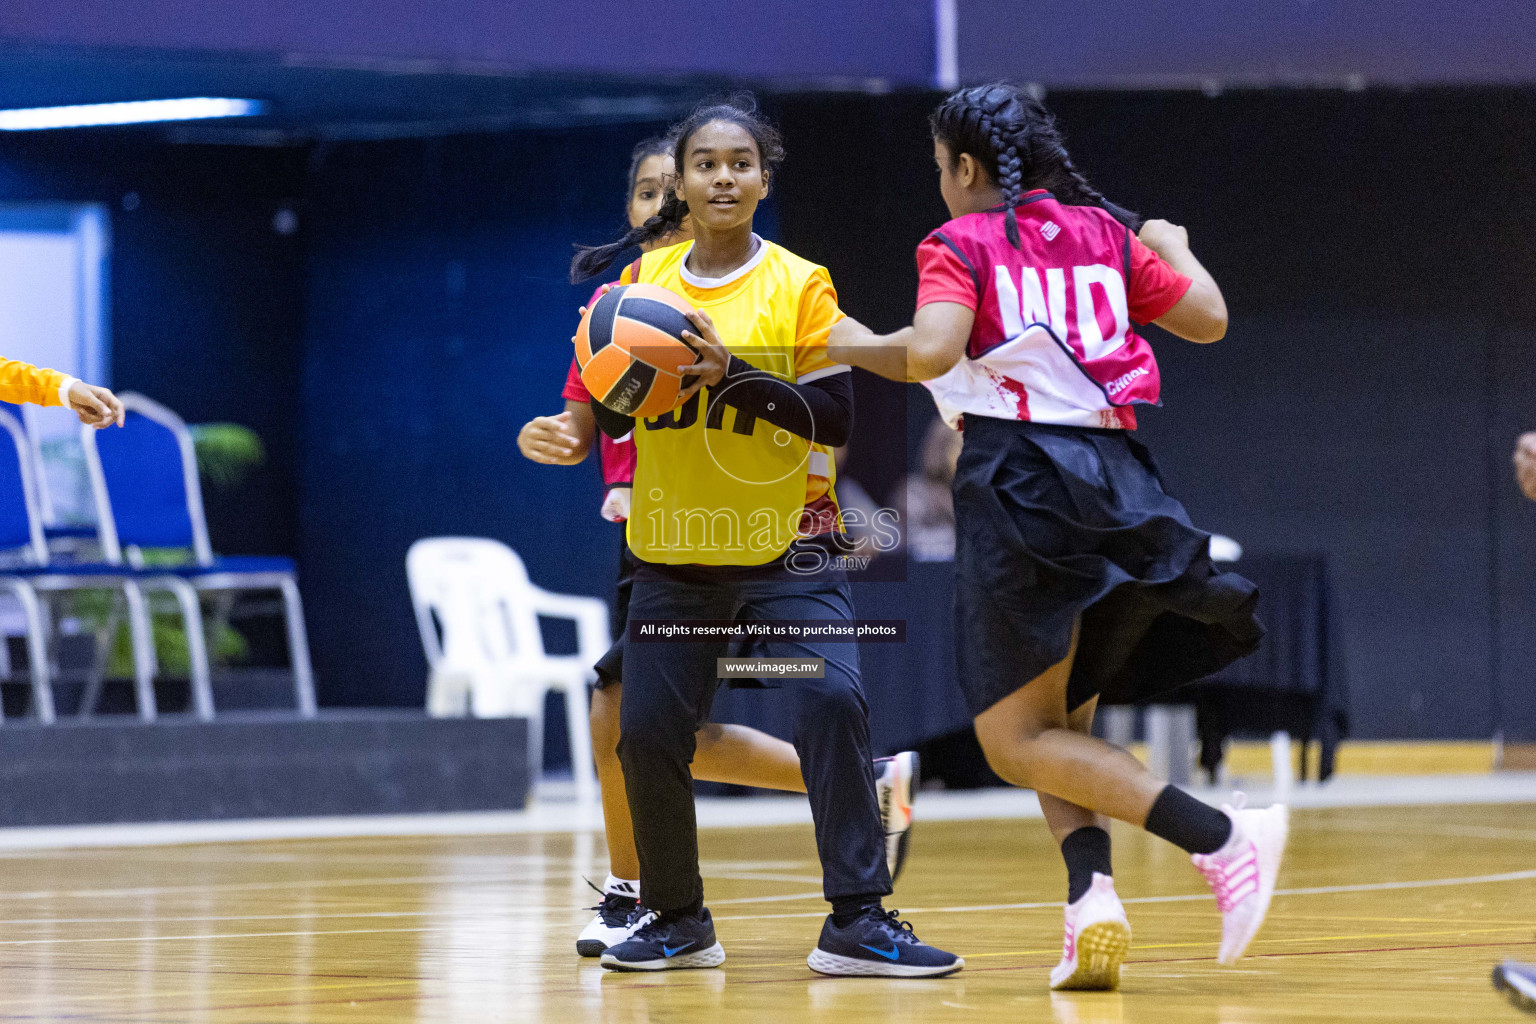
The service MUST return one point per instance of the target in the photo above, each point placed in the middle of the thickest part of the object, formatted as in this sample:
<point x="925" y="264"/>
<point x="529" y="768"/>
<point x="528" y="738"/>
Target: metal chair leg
<point x="5" y="646"/>
<point x="140" y="632"/>
<point x="37" y="656"/>
<point x="45" y="622"/>
<point x="197" y="645"/>
<point x="37" y="648"/>
<point x="535" y="746"/>
<point x="96" y="680"/>
<point x="298" y="649"/>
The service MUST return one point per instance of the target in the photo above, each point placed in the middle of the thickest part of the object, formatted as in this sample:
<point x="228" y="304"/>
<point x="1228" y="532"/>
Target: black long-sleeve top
<point x="820" y="412"/>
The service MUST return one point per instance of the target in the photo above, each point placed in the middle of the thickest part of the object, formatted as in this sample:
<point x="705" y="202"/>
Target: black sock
<point x="1086" y="851"/>
<point x="848" y="909"/>
<point x="1187" y="823"/>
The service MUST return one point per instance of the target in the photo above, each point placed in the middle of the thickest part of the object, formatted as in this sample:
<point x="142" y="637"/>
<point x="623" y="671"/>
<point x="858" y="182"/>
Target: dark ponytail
<point x="739" y="109"/>
<point x="1016" y="140"/>
<point x="591" y="260"/>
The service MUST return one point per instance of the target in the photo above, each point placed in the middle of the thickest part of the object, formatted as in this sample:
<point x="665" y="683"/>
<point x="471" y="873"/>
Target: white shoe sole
<point x="1270" y="855"/>
<point x="1101" y="949"/>
<point x="714" y="956"/>
<point x="594" y="940"/>
<point x="823" y="962"/>
<point x="1519" y="990"/>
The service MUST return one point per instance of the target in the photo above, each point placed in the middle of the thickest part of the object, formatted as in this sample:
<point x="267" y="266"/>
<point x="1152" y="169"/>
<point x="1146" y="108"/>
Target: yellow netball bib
<point x="717" y="486"/>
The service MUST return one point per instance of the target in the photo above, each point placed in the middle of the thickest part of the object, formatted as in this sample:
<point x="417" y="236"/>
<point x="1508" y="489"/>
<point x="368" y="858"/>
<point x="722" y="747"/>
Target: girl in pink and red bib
<point x="1077" y="576"/>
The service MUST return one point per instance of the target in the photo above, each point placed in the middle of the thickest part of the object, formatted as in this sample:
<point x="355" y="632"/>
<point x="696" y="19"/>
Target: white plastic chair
<point x="479" y="619"/>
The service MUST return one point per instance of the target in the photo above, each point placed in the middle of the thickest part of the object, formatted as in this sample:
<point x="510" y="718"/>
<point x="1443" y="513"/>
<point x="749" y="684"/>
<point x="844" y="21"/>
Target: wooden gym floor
<point x="1387" y="915"/>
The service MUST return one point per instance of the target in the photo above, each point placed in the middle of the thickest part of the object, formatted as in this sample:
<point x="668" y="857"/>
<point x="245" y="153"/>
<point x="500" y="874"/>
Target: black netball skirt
<point x="1056" y="526"/>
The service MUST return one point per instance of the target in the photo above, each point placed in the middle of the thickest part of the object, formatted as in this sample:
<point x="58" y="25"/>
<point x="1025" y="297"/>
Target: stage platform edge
<point x="259" y="765"/>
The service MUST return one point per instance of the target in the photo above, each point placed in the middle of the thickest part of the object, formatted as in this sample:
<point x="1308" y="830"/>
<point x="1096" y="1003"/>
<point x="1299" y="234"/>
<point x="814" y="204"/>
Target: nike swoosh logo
<point x="671" y="951"/>
<point x="889" y="954"/>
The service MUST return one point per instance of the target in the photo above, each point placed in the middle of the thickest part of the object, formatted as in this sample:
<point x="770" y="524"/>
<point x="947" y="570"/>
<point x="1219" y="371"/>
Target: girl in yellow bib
<point x="734" y="515"/>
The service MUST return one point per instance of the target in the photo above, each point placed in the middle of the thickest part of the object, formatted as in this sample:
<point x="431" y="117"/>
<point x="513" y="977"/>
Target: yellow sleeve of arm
<point x="818" y="312"/>
<point x="22" y="382"/>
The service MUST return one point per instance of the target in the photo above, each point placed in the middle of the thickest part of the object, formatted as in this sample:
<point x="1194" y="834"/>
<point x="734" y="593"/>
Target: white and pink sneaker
<point x="1242" y="873"/>
<point x="1098" y="937"/>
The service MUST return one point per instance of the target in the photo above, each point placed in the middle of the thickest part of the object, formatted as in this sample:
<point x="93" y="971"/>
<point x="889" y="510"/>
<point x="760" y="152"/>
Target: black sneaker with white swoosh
<point x="879" y="943"/>
<point x="671" y="942"/>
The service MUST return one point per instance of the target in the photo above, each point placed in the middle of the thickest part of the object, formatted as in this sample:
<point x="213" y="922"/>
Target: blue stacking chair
<point x="147" y="493"/>
<point x="68" y="541"/>
<point x="21" y="533"/>
<point x="58" y="566"/>
<point x="31" y="571"/>
<point x="71" y="537"/>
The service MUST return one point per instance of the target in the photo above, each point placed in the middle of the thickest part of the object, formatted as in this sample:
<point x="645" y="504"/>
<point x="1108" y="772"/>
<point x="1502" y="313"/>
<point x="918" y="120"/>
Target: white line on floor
<point x="448" y="880"/>
<point x="1321" y="890"/>
<point x="1417" y="828"/>
<point x="208" y="936"/>
<point x="530" y="908"/>
<point x="724" y="812"/>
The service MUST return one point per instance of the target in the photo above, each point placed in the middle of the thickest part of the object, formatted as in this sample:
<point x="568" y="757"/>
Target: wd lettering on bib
<point x="1053" y="340"/>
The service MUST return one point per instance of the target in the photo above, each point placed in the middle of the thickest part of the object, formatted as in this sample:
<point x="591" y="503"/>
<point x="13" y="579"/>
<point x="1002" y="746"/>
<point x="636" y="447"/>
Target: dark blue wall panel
<point x="1372" y="246"/>
<point x="1120" y="44"/>
<point x="1180" y="43"/>
<point x="206" y="297"/>
<point x="789" y="39"/>
<point x="1373" y="251"/>
<point x="1301" y="434"/>
<point x="439" y="321"/>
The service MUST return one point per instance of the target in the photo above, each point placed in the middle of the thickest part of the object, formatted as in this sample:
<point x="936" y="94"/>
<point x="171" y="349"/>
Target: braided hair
<point x="739" y="109"/>
<point x="1016" y="141"/>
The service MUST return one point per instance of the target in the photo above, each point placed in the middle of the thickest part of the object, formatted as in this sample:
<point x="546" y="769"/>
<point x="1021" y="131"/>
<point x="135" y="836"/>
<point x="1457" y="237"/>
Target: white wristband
<point x="69" y="382"/>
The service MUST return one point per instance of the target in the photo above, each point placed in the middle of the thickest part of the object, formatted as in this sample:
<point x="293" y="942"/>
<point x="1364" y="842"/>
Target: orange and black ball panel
<point x="630" y="346"/>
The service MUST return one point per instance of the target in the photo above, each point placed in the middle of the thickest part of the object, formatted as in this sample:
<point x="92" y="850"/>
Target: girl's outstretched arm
<point x="1201" y="315"/>
<point x="929" y="348"/>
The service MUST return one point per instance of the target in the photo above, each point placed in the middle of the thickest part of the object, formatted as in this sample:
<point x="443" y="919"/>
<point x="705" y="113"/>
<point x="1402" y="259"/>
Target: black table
<point x="1294" y="681"/>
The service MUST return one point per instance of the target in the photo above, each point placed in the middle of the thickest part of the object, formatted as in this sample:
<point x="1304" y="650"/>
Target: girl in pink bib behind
<point x="1076" y="575"/>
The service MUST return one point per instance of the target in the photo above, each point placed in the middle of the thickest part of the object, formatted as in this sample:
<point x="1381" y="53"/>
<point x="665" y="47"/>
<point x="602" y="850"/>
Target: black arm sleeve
<point x="614" y="424"/>
<point x="821" y="411"/>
